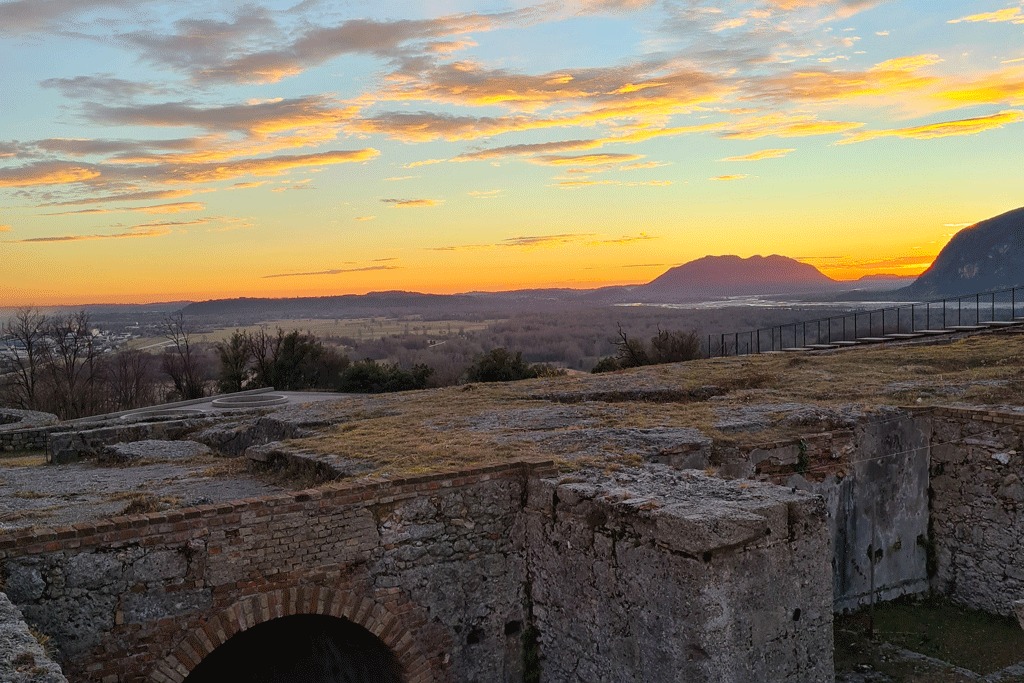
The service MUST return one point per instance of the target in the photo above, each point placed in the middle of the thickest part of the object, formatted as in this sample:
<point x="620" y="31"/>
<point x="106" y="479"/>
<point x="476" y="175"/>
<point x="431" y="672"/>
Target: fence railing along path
<point x="903" y="321"/>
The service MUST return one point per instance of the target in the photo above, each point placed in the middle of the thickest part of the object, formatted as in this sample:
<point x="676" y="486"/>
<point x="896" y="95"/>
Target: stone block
<point x="1018" y="610"/>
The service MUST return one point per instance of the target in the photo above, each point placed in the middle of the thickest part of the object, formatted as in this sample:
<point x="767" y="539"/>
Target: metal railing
<point x="876" y="325"/>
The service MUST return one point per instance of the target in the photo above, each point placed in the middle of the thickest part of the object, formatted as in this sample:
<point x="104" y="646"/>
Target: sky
<point x="158" y="151"/>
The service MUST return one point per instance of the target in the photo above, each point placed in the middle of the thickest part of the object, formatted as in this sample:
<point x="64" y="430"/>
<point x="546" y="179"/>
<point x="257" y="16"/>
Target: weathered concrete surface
<point x="662" y="575"/>
<point x="22" y="658"/>
<point x="878" y="513"/>
<point x="153" y="450"/>
<point x="978" y="507"/>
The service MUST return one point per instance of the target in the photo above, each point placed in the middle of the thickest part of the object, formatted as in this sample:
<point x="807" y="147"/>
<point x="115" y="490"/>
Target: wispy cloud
<point x="424" y="162"/>
<point x="943" y="129"/>
<point x="333" y="271"/>
<point x="484" y="194"/>
<point x="762" y="154"/>
<point x="363" y="219"/>
<point x="731" y="176"/>
<point x="177" y="207"/>
<point x="46" y="173"/>
<point x="1011" y="14"/>
<point x="133" y="234"/>
<point x="412" y="203"/>
<point x="4" y="227"/>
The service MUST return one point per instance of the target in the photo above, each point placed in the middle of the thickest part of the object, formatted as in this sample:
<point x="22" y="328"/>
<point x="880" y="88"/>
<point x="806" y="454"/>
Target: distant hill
<point x="988" y="255"/>
<point x="713" y="276"/>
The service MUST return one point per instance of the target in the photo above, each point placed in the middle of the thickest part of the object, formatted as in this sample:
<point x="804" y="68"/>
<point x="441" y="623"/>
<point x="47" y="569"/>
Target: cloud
<point x="133" y="234"/>
<point x="843" y="8"/>
<point x="784" y="126"/>
<point x="219" y="53"/>
<point x="732" y="176"/>
<point x="424" y="162"/>
<point x="128" y="197"/>
<point x="929" y="131"/>
<point x="257" y="119"/>
<point x="412" y="203"/>
<point x="763" y="154"/>
<point x="1011" y="14"/>
<point x="895" y="77"/>
<point x="586" y="159"/>
<point x="267" y="166"/>
<point x="628" y="239"/>
<point x="47" y="173"/>
<point x="396" y="178"/>
<point x="102" y="86"/>
<point x="27" y="16"/>
<point x="529" y="149"/>
<point x="334" y="271"/>
<point x="4" y="228"/>
<point x="484" y="194"/>
<point x="363" y="219"/>
<point x="529" y="241"/>
<point x="177" y="207"/>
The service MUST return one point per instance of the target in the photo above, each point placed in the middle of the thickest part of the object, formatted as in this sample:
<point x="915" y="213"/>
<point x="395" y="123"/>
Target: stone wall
<point x="977" y="503"/>
<point x="465" y="576"/>
<point x="679" y="577"/>
<point x="22" y="657"/>
<point x="433" y="565"/>
<point x="25" y="430"/>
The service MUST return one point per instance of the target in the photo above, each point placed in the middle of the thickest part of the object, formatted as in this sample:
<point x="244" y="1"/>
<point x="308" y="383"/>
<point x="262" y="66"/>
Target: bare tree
<point x="180" y="361"/>
<point x="71" y="361"/>
<point x="24" y="337"/>
<point x="129" y="378"/>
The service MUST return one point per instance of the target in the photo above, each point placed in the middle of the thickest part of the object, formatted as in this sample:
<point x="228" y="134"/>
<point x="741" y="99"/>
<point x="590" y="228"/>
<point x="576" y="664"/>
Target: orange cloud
<point x="785" y="126"/>
<point x="333" y="271"/>
<point x="944" y="129"/>
<point x="763" y="154"/>
<point x="124" y="197"/>
<point x="733" y="176"/>
<point x="46" y="173"/>
<point x="1011" y="14"/>
<point x="268" y="166"/>
<point x="5" y="228"/>
<point x="412" y="203"/>
<point x="586" y="159"/>
<point x="424" y="162"/>
<point x="134" y="234"/>
<point x="893" y="77"/>
<point x="1005" y="86"/>
<point x="177" y="207"/>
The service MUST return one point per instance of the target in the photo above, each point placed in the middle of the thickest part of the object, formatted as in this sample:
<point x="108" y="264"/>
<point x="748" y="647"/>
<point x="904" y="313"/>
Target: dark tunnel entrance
<point x="306" y="648"/>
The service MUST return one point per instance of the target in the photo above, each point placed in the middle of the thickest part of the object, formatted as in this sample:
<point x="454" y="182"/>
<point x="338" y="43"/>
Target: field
<point x="333" y="329"/>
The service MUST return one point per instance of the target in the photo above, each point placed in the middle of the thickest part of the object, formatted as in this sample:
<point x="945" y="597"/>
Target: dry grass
<point x="142" y="503"/>
<point x="22" y="460"/>
<point x="441" y="429"/>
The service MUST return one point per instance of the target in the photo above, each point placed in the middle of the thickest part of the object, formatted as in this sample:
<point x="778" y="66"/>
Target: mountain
<point x="988" y="255"/>
<point x="713" y="276"/>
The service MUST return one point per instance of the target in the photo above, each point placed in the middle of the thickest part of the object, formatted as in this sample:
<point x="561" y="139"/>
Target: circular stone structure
<point x="249" y="401"/>
<point x="12" y="419"/>
<point x="163" y="413"/>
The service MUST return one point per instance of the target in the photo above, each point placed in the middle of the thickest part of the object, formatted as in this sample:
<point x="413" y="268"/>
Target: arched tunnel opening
<point x="306" y="648"/>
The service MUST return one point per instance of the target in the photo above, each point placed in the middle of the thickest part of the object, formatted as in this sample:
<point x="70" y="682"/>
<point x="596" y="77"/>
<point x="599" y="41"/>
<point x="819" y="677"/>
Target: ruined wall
<point x="977" y="503"/>
<point x="874" y="479"/>
<point x="25" y="430"/>
<point x="22" y="657"/>
<point x="679" y="577"/>
<point x="436" y="561"/>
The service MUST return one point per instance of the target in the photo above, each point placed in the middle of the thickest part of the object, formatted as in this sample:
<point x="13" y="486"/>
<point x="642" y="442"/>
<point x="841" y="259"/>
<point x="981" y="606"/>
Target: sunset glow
<point x="155" y="151"/>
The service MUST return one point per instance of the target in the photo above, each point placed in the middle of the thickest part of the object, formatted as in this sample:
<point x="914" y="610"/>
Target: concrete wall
<point x="679" y="577"/>
<point x="977" y="501"/>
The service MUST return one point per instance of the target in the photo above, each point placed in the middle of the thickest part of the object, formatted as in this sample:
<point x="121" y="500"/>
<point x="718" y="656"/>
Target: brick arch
<point x="253" y="610"/>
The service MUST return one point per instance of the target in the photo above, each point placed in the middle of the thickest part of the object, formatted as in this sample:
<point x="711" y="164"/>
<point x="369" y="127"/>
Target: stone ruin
<point x="517" y="571"/>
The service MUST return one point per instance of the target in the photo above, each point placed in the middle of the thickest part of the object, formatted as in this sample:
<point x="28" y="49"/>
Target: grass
<point x="22" y="459"/>
<point x="936" y="627"/>
<point x="426" y="431"/>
